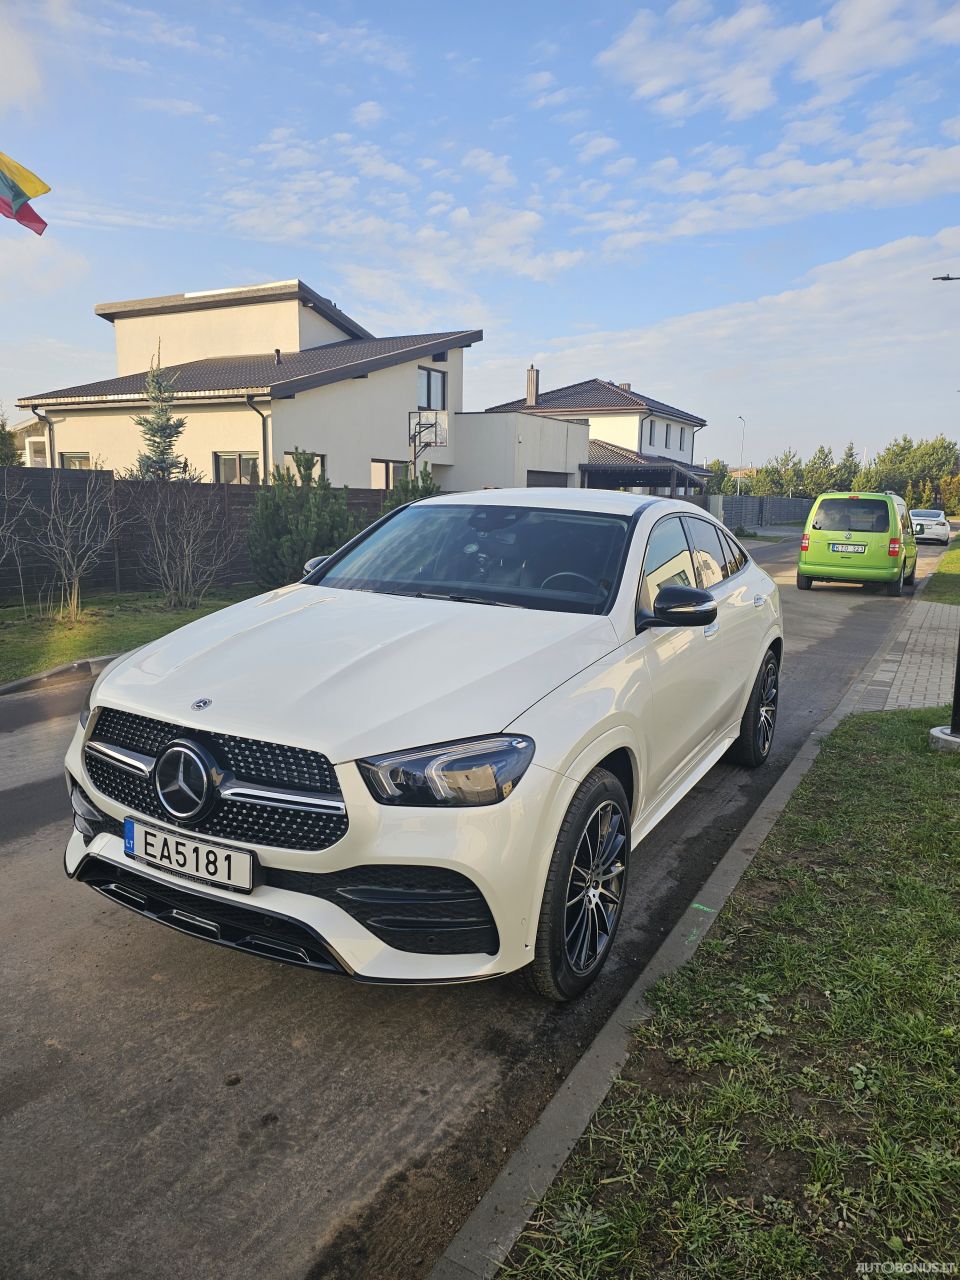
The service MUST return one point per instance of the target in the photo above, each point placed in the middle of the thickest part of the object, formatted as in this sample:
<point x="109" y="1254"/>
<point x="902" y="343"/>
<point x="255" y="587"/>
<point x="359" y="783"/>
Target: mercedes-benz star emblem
<point x="201" y="704"/>
<point x="182" y="780"/>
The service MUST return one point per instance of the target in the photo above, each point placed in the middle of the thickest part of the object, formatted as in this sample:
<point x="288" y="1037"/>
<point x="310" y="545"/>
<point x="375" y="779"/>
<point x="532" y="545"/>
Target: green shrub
<point x="296" y="516"/>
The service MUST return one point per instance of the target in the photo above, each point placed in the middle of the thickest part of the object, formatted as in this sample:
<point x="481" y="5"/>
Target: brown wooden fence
<point x="25" y="499"/>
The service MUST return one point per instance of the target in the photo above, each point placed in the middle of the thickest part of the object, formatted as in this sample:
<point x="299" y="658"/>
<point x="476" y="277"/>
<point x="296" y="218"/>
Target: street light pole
<point x="743" y="432"/>
<point x="942" y="736"/>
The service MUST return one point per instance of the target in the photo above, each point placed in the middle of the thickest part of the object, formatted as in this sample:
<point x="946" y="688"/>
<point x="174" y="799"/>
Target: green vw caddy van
<point x="858" y="537"/>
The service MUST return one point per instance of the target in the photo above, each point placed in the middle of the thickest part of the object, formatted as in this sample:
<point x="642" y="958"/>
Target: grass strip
<point x="793" y="1107"/>
<point x="944" y="585"/>
<point x="109" y="624"/>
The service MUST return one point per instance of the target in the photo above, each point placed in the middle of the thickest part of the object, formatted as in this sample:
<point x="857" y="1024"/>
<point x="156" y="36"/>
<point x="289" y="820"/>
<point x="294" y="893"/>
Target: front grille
<point x="236" y="820"/>
<point x="431" y="910"/>
<point x="248" y="759"/>
<point x="268" y="763"/>
<point x="241" y="927"/>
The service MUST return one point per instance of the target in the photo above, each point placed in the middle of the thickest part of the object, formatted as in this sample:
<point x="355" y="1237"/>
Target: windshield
<point x="926" y="515"/>
<point x="853" y="515"/>
<point x="567" y="561"/>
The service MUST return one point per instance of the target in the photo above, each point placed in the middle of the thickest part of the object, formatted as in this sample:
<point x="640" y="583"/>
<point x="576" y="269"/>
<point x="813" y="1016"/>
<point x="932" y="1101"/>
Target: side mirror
<point x="680" y="607"/>
<point x="313" y="563"/>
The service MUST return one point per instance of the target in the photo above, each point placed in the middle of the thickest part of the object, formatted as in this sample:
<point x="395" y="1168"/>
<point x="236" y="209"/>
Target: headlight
<point x="85" y="713"/>
<point x="479" y="772"/>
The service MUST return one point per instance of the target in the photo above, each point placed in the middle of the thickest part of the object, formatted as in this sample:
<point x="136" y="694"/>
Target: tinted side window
<point x="710" y="557"/>
<point x="667" y="562"/>
<point x="741" y="556"/>
<point x="733" y="560"/>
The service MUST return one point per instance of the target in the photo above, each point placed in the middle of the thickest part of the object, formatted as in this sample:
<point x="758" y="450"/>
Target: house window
<point x="431" y="388"/>
<point x="666" y="438"/>
<point x="319" y="465"/>
<point x="236" y="468"/>
<point x="75" y="461"/>
<point x="37" y="452"/>
<point x="652" y="435"/>
<point x="683" y="434"/>
<point x="385" y="472"/>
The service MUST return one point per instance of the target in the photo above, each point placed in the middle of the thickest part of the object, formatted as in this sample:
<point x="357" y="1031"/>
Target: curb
<point x="482" y="1244"/>
<point x="79" y="670"/>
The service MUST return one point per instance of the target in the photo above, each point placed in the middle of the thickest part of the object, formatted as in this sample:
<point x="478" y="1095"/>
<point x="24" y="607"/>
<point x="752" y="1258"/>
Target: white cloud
<point x="821" y="362"/>
<point x="367" y="114"/>
<point x="731" y="63"/>
<point x="331" y="42"/>
<point x="496" y="169"/>
<point x="176" y="107"/>
<point x="594" y="145"/>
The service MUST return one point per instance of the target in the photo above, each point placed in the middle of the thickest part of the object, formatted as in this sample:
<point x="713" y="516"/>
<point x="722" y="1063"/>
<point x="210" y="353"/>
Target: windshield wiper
<point x="439" y="595"/>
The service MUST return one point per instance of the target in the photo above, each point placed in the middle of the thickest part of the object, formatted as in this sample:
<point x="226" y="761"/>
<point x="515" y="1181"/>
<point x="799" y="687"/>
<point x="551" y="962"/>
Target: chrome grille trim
<point x="123" y="758"/>
<point x="253" y="793"/>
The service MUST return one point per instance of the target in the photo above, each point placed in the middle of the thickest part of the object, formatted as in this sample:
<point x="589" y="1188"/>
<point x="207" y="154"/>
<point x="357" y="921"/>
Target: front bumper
<point x="503" y="850"/>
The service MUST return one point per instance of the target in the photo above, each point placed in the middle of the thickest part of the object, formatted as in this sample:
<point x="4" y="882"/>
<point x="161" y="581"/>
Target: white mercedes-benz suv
<point x="433" y="759"/>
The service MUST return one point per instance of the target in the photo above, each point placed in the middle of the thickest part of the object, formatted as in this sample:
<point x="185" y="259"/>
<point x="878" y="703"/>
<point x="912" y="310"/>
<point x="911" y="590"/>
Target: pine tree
<point x="818" y="473"/>
<point x="908" y="495"/>
<point x="846" y="468"/>
<point x="926" y="497"/>
<point x="424" y="486"/>
<point x="10" y="455"/>
<point x="296" y="517"/>
<point x="160" y="430"/>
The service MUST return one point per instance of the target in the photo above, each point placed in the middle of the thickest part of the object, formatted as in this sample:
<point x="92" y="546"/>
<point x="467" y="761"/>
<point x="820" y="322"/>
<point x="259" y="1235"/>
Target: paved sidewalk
<point x="917" y="669"/>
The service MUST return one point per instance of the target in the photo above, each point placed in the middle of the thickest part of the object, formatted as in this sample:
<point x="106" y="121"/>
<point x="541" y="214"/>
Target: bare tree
<point x="190" y="540"/>
<point x="76" y="532"/>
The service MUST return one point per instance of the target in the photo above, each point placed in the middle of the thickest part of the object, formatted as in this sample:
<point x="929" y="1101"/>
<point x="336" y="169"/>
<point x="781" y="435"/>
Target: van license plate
<point x="188" y="857"/>
<point x="848" y="546"/>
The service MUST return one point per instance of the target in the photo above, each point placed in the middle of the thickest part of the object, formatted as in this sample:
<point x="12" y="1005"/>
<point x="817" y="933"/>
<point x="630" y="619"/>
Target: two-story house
<point x="257" y="372"/>
<point x="635" y="441"/>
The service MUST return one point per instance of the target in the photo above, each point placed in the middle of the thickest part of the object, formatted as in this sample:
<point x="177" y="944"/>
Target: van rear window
<point x="853" y="515"/>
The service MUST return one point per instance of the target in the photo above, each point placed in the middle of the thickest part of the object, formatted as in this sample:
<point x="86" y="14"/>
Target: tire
<point x="598" y="814"/>
<point x="759" y="723"/>
<point x="803" y="582"/>
<point x="912" y="578"/>
<point x="895" y="588"/>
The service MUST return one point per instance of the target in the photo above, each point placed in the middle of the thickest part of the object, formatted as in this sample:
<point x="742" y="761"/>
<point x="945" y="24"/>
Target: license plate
<point x="848" y="546"/>
<point x="187" y="857"/>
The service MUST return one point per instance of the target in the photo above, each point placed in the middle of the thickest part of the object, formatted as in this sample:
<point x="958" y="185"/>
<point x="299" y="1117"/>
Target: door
<point x="673" y="707"/>
<point x="741" y="615"/>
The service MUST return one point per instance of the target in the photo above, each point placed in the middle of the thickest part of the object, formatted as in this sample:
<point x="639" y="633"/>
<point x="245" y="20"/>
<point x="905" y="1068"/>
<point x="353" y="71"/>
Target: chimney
<point x="276" y="355"/>
<point x="624" y="386"/>
<point x="533" y="386"/>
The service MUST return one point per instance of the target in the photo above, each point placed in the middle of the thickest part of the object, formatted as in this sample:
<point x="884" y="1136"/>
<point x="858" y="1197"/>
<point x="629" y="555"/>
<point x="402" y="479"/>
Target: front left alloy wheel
<point x="584" y="894"/>
<point x="752" y="747"/>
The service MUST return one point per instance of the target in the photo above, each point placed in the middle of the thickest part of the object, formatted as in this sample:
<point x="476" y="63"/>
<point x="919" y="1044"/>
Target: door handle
<point x="758" y="602"/>
<point x="711" y="630"/>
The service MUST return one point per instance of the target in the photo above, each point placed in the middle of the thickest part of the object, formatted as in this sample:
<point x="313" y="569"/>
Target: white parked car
<point x="434" y="759"/>
<point x="930" y="525"/>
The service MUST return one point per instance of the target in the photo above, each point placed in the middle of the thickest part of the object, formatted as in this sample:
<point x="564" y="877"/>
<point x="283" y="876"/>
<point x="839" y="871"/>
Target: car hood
<point x="351" y="673"/>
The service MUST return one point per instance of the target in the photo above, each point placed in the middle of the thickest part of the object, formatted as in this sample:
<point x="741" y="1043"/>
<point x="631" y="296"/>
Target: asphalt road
<point x="171" y="1109"/>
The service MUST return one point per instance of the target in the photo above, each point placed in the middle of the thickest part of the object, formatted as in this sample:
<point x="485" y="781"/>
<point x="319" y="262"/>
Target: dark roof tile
<point x="598" y="394"/>
<point x="297" y="371"/>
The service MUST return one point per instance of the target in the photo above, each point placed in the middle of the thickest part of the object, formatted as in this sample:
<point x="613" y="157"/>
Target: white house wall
<point x="111" y="437"/>
<point x="354" y="421"/>
<point x="632" y="431"/>
<point x="196" y="335"/>
<point x="498" y="449"/>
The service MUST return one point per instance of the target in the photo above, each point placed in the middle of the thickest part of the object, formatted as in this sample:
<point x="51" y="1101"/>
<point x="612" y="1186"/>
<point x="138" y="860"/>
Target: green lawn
<point x="793" y="1107"/>
<point x="944" y="586"/>
<point x="109" y="624"/>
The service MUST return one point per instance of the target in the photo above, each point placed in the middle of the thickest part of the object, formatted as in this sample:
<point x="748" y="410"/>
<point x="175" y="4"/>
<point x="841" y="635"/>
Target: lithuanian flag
<point x="17" y="187"/>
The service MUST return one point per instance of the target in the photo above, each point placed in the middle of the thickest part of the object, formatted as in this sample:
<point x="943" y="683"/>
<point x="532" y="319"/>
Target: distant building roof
<point x="262" y="375"/>
<point x="596" y="395"/>
<point x="602" y="455"/>
<point x="210" y="299"/>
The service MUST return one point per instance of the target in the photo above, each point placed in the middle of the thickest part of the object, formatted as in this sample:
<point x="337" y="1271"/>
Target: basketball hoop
<point x="427" y="430"/>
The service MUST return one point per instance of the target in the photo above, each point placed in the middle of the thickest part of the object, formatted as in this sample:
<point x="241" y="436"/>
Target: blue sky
<point x="737" y="208"/>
